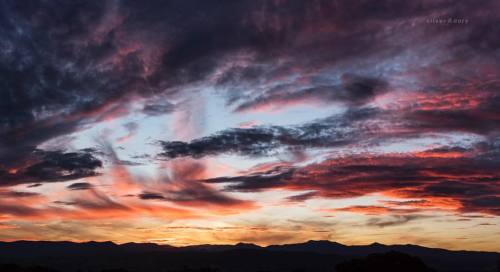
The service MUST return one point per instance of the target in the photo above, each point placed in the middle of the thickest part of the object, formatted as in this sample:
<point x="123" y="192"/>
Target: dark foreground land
<point x="24" y="256"/>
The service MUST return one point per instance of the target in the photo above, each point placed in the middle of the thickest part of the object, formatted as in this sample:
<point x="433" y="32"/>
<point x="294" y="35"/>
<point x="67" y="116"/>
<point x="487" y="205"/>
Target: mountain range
<point x="307" y="256"/>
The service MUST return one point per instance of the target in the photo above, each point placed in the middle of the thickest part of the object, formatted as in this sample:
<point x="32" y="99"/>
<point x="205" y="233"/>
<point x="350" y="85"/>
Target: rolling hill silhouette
<point x="308" y="256"/>
<point x="391" y="261"/>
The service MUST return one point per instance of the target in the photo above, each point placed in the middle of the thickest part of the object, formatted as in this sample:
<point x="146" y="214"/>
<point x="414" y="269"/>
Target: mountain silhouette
<point x="322" y="246"/>
<point x="208" y="247"/>
<point x="391" y="261"/>
<point x="308" y="256"/>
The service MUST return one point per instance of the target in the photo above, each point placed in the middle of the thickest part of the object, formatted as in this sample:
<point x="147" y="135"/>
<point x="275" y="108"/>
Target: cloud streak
<point x="53" y="166"/>
<point x="469" y="182"/>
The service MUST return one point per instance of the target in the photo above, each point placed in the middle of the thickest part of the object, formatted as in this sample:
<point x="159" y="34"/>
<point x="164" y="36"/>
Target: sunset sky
<point x="267" y="122"/>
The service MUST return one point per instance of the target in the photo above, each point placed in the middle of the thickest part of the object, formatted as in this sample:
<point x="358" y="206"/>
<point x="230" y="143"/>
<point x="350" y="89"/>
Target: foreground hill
<point x="308" y="256"/>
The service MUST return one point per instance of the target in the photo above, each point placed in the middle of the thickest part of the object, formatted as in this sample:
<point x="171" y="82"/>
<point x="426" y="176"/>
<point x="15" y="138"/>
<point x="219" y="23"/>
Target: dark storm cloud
<point x="252" y="141"/>
<point x="156" y="109"/>
<point x="357" y="127"/>
<point x="181" y="186"/>
<point x="354" y="90"/>
<point x="93" y="34"/>
<point x="490" y="204"/>
<point x="62" y="70"/>
<point x="333" y="131"/>
<point x="52" y="166"/>
<point x="301" y="197"/>
<point x="80" y="186"/>
<point x="196" y="192"/>
<point x="472" y="179"/>
<point x="191" y="193"/>
<point x="53" y="74"/>
<point x="66" y="65"/>
<point x="310" y="67"/>
<point x="456" y="188"/>
<point x="254" y="182"/>
<point x="480" y="121"/>
<point x="151" y="196"/>
<point x="17" y="194"/>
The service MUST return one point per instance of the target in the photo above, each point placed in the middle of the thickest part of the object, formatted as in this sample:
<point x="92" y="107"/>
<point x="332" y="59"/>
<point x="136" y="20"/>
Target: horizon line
<point x="245" y="243"/>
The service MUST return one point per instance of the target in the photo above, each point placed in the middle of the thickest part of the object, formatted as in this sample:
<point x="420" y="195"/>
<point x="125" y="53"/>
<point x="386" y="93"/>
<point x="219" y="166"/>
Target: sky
<point x="266" y="122"/>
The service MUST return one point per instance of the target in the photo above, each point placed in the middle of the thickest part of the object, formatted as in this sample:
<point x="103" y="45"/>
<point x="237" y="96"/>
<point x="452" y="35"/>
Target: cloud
<point x="488" y="203"/>
<point x="357" y="127"/>
<point x="464" y="184"/>
<point x="301" y="197"/>
<point x="198" y="193"/>
<point x="18" y="194"/>
<point x="374" y="210"/>
<point x="482" y="120"/>
<point x="395" y="220"/>
<point x="109" y="54"/>
<point x="151" y="196"/>
<point x="192" y="193"/>
<point x="182" y="186"/>
<point x="80" y="186"/>
<point x="53" y="166"/>
<point x="67" y="203"/>
<point x="131" y="128"/>
<point x="353" y="90"/>
<point x="98" y="201"/>
<point x="17" y="210"/>
<point x="266" y="140"/>
<point x="156" y="109"/>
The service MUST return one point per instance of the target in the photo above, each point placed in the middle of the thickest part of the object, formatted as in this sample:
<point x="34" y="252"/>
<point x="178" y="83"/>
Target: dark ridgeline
<point x="314" y="256"/>
<point x="391" y="261"/>
<point x="18" y="268"/>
